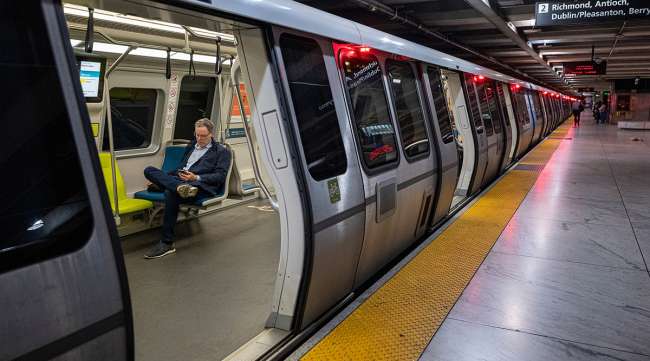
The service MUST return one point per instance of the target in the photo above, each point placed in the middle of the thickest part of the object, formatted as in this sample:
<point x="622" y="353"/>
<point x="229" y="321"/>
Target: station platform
<point x="549" y="263"/>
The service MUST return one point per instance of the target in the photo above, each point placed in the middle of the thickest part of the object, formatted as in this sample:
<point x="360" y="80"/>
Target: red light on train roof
<point x="545" y="93"/>
<point x="478" y="78"/>
<point x="364" y="49"/>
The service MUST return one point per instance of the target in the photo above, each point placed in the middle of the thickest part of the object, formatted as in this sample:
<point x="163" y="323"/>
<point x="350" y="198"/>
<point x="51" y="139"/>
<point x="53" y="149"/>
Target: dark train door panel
<point x="62" y="278"/>
<point x="332" y="172"/>
<point x="443" y="130"/>
<point x="480" y="136"/>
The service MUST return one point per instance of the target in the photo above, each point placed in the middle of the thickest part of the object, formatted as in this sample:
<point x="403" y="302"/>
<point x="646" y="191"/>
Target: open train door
<point x="62" y="279"/>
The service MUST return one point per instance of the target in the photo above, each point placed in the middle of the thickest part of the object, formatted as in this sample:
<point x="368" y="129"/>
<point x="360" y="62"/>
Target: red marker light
<point x="364" y="49"/>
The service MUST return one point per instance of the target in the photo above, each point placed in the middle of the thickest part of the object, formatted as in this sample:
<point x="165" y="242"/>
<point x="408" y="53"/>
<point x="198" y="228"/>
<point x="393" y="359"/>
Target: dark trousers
<point x="172" y="200"/>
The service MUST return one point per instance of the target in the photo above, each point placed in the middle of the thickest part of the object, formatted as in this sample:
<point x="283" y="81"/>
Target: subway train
<point x="350" y="146"/>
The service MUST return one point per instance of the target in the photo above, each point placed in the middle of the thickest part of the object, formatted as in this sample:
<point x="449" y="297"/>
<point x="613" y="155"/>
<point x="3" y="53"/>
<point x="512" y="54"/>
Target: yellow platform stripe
<point x="399" y="319"/>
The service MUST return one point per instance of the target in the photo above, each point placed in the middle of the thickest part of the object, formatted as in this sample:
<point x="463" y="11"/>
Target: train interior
<point x="462" y="133"/>
<point x="159" y="70"/>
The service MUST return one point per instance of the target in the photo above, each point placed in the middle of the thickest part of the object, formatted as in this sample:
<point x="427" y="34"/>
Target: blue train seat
<point x="171" y="161"/>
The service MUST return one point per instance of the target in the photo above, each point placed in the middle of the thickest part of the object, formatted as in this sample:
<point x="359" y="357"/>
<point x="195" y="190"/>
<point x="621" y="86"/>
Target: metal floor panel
<point x="400" y="318"/>
<point x="212" y="295"/>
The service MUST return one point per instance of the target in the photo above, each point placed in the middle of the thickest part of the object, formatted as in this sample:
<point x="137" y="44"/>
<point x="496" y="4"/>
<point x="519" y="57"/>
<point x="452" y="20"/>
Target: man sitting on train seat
<point x="202" y="172"/>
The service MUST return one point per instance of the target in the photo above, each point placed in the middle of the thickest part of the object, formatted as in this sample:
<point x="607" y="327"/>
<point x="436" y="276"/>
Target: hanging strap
<point x="90" y="31"/>
<point x="192" y="69"/>
<point x="218" y="67"/>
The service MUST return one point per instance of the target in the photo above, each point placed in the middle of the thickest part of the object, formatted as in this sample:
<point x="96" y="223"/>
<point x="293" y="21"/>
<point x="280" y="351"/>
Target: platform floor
<point x="567" y="278"/>
<point x="211" y="296"/>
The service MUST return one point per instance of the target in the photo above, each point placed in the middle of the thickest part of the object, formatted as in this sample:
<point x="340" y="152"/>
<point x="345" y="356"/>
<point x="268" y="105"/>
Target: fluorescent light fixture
<point x="149" y="53"/>
<point x="141" y="22"/>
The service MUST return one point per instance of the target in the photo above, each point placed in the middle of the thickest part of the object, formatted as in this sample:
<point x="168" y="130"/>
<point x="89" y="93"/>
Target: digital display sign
<point x="91" y="76"/>
<point x="553" y="13"/>
<point x="585" y="68"/>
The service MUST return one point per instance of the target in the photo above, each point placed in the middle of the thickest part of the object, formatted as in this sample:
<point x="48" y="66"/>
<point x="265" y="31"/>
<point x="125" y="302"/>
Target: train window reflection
<point x="133" y="112"/>
<point x="486" y="113"/>
<point x="363" y="78"/>
<point x="44" y="208"/>
<point x="408" y="108"/>
<point x="445" y="117"/>
<point x="473" y="102"/>
<point x="314" y="107"/>
<point x="194" y="102"/>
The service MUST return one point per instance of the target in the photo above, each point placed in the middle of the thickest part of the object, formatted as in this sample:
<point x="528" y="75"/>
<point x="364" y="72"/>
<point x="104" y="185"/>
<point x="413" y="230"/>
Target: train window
<point x="363" y="80"/>
<point x="490" y="96"/>
<point x="520" y="108"/>
<point x="502" y="104"/>
<point x="194" y="102"/>
<point x="445" y="117"/>
<point x="486" y="112"/>
<point x="133" y="112"/>
<point x="313" y="105"/>
<point x="473" y="102"/>
<point x="44" y="208"/>
<point x="537" y="107"/>
<point x="408" y="109"/>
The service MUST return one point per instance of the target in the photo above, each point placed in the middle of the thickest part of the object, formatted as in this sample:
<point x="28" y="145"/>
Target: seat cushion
<point x="150" y="196"/>
<point x="130" y="205"/>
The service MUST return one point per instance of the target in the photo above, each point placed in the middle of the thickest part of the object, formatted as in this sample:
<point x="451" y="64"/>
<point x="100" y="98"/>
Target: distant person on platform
<point x="602" y="114"/>
<point x="596" y="111"/>
<point x="576" y="109"/>
<point x="201" y="173"/>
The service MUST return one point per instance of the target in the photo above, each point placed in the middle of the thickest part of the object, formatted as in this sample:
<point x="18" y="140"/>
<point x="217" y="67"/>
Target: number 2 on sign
<point x="543" y="8"/>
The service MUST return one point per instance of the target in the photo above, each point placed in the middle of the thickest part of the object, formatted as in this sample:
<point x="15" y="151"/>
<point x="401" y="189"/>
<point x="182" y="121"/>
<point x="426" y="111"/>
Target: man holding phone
<point x="202" y="173"/>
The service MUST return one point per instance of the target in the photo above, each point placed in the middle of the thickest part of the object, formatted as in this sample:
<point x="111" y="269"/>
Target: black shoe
<point x="160" y="250"/>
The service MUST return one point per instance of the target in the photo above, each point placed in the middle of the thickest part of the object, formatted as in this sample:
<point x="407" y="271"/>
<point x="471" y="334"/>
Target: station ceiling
<point x="503" y="36"/>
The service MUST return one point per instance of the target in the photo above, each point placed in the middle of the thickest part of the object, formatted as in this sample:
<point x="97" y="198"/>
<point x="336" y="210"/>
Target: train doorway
<point x="146" y="82"/>
<point x="463" y="134"/>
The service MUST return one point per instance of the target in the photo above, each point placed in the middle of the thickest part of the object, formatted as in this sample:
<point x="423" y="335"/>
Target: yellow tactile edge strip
<point x="399" y="319"/>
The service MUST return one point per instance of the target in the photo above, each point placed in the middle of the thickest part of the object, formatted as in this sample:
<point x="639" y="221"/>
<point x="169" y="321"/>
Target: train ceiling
<point x="503" y="36"/>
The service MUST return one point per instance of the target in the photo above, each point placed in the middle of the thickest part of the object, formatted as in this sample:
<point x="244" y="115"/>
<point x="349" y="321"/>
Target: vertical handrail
<point x="109" y="120"/>
<point x="234" y="76"/>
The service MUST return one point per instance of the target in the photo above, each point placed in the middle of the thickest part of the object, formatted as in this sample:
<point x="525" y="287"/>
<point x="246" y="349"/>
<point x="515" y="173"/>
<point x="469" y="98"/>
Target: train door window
<point x="44" y="209"/>
<point x="491" y="99"/>
<point x="486" y="111"/>
<point x="537" y="107"/>
<point x="445" y="118"/>
<point x="363" y="80"/>
<point x="520" y="108"/>
<point x="408" y="109"/>
<point x="194" y="102"/>
<point x="502" y="104"/>
<point x="313" y="105"/>
<point x="133" y="112"/>
<point x="473" y="102"/>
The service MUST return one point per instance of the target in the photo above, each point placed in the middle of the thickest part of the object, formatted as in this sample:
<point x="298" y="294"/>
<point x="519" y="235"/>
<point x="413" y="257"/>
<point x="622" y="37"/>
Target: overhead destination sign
<point x="584" y="68"/>
<point x="549" y="13"/>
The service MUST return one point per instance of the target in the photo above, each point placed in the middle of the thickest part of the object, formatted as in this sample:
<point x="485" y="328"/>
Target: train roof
<point x="297" y="16"/>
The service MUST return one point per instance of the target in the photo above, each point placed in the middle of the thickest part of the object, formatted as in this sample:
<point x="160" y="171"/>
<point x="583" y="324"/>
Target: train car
<point x="348" y="146"/>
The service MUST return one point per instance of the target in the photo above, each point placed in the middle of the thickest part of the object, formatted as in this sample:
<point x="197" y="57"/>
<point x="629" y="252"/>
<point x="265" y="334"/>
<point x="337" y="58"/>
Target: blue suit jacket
<point x="212" y="167"/>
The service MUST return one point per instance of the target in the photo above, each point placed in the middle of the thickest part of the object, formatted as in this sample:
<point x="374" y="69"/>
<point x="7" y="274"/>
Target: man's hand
<point x="187" y="176"/>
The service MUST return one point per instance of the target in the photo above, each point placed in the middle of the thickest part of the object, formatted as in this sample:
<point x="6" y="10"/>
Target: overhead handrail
<point x="109" y="120"/>
<point x="136" y="44"/>
<point x="235" y="70"/>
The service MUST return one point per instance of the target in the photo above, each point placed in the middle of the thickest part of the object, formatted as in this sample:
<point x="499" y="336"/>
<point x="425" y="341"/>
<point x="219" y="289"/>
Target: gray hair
<point x="206" y="123"/>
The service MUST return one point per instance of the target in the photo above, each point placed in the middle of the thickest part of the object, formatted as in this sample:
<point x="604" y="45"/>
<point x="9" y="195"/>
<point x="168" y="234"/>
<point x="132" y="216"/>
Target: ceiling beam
<point x="492" y="12"/>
